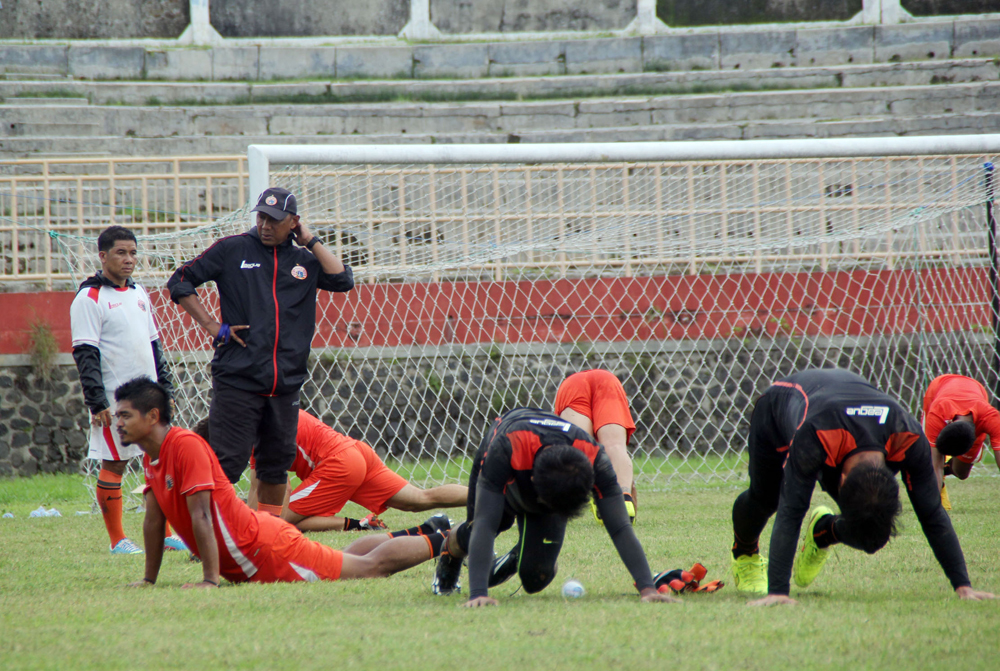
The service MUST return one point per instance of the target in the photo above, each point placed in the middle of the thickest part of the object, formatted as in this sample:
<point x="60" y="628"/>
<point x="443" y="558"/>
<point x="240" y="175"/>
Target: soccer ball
<point x="573" y="589"/>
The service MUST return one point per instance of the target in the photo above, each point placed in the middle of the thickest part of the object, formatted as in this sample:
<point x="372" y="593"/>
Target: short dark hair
<point x="563" y="478"/>
<point x="956" y="438"/>
<point x="144" y="395"/>
<point x="869" y="505"/>
<point x="112" y="234"/>
<point x="201" y="428"/>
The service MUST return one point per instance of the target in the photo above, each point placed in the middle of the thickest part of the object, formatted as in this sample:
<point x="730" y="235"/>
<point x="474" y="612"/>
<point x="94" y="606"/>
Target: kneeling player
<point x="335" y="469"/>
<point x="186" y="486"/>
<point x="832" y="426"/>
<point x="595" y="401"/>
<point x="957" y="418"/>
<point x="537" y="470"/>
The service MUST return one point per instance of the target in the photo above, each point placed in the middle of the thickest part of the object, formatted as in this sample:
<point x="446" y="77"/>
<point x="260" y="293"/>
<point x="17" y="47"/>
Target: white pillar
<point x="646" y="21"/>
<point x="893" y="12"/>
<point x="200" y="30"/>
<point x="871" y="11"/>
<point x="419" y="27"/>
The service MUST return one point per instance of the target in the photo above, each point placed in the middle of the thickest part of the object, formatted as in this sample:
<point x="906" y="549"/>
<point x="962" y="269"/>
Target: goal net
<point x="696" y="272"/>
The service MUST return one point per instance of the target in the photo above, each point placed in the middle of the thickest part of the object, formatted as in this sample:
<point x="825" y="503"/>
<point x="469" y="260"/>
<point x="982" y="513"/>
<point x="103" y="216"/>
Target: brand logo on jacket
<point x="249" y="266"/>
<point x="299" y="273"/>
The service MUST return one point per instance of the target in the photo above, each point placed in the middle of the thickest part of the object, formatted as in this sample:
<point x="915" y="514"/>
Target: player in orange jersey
<point x="335" y="469"/>
<point x="595" y="401"/>
<point x="957" y="418"/>
<point x="186" y="486"/>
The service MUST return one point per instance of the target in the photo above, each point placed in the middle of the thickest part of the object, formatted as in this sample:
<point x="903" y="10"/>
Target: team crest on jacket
<point x="299" y="273"/>
<point x="170" y="482"/>
<point x="142" y="305"/>
<point x="271" y="200"/>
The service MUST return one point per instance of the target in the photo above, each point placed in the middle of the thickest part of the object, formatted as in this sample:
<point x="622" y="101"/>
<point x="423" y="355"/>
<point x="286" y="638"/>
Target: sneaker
<point x="750" y="574"/>
<point x="446" y="576"/>
<point x="174" y="542"/>
<point x="438" y="523"/>
<point x="504" y="567"/>
<point x="945" y="499"/>
<point x="810" y="559"/>
<point x="371" y="522"/>
<point x="126" y="547"/>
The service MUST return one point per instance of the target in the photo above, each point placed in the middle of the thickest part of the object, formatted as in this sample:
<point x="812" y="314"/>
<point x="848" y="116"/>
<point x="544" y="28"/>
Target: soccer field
<point x="64" y="604"/>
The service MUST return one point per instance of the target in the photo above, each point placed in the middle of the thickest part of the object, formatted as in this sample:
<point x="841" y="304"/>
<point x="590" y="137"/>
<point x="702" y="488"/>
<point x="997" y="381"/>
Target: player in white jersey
<point x="114" y="340"/>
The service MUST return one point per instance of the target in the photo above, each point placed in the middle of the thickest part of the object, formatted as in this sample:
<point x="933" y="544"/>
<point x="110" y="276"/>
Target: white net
<point x="482" y="286"/>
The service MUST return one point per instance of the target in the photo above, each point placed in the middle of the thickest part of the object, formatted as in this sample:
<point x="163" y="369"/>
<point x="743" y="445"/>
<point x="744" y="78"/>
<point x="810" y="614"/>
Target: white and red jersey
<point x="119" y="322"/>
<point x="187" y="465"/>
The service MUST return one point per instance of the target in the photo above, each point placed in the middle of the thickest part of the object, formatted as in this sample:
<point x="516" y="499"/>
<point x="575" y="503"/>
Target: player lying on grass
<point x="957" y="418"/>
<point x="595" y="401"/>
<point x="538" y="470"/>
<point x="186" y="486"/>
<point x="833" y="427"/>
<point x="335" y="469"/>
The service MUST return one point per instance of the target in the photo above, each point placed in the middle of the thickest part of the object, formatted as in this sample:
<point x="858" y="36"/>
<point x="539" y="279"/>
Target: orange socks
<point x="269" y="509"/>
<point x="109" y="498"/>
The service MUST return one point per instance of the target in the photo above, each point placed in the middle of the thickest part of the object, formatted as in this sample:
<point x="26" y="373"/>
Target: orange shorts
<point x="354" y="474"/>
<point x="599" y="395"/>
<point x="294" y="558"/>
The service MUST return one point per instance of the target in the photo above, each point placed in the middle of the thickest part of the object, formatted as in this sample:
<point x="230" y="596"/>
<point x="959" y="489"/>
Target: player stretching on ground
<point x="335" y="469"/>
<point x="186" y="485"/>
<point x="957" y="418"/>
<point x="114" y="339"/>
<point x="595" y="401"/>
<point x="537" y="470"/>
<point x="833" y="427"/>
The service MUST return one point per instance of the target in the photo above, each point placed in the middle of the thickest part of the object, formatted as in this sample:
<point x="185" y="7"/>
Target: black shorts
<point x="241" y="422"/>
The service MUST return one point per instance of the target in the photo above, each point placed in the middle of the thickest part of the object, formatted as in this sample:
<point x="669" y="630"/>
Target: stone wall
<point x="458" y="17"/>
<point x="93" y="19"/>
<point x="308" y="18"/>
<point x="688" y="398"/>
<point x="946" y="7"/>
<point x="681" y="13"/>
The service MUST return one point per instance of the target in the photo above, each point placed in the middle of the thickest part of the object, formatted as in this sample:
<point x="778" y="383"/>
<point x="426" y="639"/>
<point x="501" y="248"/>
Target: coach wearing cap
<point x="267" y="295"/>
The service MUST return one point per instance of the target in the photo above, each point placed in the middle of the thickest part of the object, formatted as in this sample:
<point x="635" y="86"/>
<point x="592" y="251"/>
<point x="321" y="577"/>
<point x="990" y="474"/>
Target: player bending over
<point x="538" y="470"/>
<point x="335" y="469"/>
<point x="834" y="427"/>
<point x="186" y="485"/>
<point x="957" y="418"/>
<point x="595" y="401"/>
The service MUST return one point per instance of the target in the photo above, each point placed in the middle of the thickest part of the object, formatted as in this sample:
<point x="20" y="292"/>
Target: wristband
<point x="151" y="582"/>
<point x="312" y="242"/>
<point x="223" y="337"/>
<point x="210" y="582"/>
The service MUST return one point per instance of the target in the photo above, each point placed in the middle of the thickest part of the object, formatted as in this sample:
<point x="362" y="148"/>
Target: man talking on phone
<point x="267" y="280"/>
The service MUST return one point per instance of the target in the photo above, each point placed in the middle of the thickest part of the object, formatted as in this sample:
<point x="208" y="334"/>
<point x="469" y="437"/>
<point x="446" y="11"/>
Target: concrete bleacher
<point x="930" y="78"/>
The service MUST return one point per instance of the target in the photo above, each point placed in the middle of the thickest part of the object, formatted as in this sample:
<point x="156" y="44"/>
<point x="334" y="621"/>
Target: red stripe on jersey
<point x="524" y="445"/>
<point x="898" y="444"/>
<point x="792" y="385"/>
<point x="587" y="448"/>
<point x="110" y="440"/>
<point x="838" y="443"/>
<point x="93" y="293"/>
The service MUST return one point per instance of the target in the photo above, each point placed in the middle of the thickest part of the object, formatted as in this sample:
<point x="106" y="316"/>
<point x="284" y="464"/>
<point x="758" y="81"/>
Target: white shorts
<point x="106" y="444"/>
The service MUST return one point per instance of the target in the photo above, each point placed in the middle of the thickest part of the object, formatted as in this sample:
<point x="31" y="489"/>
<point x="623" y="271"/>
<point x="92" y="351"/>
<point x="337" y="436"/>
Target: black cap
<point x="276" y="203"/>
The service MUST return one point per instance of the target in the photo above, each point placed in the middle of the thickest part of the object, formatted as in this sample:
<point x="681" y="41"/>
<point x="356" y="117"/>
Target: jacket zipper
<point x="277" y="321"/>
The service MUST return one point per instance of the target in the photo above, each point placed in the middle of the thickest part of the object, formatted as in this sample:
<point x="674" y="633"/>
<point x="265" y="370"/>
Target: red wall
<point x="621" y="309"/>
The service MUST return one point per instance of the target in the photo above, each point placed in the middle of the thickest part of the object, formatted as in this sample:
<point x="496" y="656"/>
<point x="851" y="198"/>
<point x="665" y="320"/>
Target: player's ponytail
<point x="563" y="479"/>
<point x="869" y="505"/>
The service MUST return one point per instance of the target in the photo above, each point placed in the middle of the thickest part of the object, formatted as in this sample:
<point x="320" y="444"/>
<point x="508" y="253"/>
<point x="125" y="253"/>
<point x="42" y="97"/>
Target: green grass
<point x="63" y="603"/>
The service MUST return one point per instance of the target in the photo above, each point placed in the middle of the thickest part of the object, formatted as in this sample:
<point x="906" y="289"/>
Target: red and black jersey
<point x="821" y="417"/>
<point x="508" y="453"/>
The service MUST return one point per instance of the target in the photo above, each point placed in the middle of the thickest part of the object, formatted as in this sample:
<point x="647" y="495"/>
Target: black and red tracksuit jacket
<point x="273" y="289"/>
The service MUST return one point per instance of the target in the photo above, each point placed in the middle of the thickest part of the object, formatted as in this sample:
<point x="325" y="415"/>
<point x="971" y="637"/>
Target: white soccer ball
<point x="573" y="589"/>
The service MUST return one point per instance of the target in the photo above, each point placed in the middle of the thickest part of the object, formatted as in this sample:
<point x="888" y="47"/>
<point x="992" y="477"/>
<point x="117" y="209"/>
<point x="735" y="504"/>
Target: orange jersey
<point x="316" y="442"/>
<point x="186" y="465"/>
<point x="951" y="395"/>
<point x="598" y="395"/>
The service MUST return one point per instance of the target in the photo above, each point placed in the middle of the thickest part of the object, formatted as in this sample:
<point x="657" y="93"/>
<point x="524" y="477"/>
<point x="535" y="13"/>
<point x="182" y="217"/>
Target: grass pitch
<point x="63" y="603"/>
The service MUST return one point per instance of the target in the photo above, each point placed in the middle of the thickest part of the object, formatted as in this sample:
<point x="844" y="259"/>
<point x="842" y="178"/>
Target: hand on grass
<point x="774" y="600"/>
<point x="204" y="584"/>
<point x="650" y="595"/>
<point x="966" y="593"/>
<point x="480" y="601"/>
